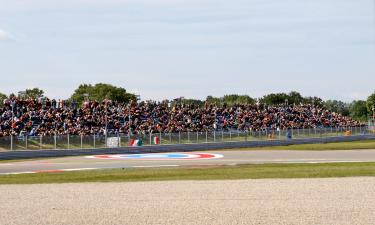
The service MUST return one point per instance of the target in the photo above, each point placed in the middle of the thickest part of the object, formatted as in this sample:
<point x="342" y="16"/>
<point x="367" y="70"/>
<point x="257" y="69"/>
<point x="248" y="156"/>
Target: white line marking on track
<point x="48" y="171"/>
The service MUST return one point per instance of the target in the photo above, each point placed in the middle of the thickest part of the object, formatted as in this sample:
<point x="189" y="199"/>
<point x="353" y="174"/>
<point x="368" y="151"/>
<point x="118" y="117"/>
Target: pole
<point x="94" y="140"/>
<point x="12" y="129"/>
<point x="130" y="129"/>
<point x="106" y="124"/>
<point x="68" y="141"/>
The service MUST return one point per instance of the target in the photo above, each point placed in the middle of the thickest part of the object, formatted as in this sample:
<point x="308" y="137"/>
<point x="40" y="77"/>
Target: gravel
<point x="282" y="201"/>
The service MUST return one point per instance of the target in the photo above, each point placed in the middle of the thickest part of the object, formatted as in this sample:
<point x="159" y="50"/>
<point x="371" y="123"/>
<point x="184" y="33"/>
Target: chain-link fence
<point x="122" y="140"/>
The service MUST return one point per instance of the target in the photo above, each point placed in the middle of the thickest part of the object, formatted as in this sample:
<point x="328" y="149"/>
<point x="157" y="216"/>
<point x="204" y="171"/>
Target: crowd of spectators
<point x="43" y="117"/>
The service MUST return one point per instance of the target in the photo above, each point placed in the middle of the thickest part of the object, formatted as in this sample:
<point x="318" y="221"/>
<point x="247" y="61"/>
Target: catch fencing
<point x="64" y="142"/>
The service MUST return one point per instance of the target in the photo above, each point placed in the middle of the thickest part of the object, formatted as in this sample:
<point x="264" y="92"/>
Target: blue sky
<point x="192" y="48"/>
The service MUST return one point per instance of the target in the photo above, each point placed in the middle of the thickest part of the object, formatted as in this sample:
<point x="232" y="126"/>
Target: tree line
<point x="359" y="110"/>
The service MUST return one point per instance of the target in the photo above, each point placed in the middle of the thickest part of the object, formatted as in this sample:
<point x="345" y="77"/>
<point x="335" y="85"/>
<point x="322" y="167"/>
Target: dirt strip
<point x="290" y="201"/>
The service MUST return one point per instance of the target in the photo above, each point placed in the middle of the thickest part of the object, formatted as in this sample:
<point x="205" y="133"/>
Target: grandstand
<point x="31" y="117"/>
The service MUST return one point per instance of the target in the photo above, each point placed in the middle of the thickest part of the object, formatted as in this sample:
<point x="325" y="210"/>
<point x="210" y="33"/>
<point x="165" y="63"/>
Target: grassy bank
<point x="354" y="145"/>
<point x="217" y="173"/>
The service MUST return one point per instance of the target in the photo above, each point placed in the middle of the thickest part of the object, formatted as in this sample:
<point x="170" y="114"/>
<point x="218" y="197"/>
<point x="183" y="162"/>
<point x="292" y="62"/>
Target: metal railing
<point x="122" y="140"/>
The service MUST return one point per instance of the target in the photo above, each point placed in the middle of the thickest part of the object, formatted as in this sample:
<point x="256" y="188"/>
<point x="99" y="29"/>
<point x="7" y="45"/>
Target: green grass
<point x="357" y="145"/>
<point x="261" y="171"/>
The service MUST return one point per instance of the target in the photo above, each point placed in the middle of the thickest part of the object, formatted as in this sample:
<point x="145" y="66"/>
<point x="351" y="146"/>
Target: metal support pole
<point x="11" y="124"/>
<point x="170" y="138"/>
<point x="81" y="141"/>
<point x="160" y="137"/>
<point x="230" y="135"/>
<point x="197" y="137"/>
<point x="150" y="138"/>
<point x="94" y="141"/>
<point x="68" y="142"/>
<point x="206" y="136"/>
<point x="40" y="142"/>
<point x="118" y="140"/>
<point x="54" y="142"/>
<point x="11" y="141"/>
<point x="222" y="136"/>
<point x="26" y="137"/>
<point x="179" y="137"/>
<point x="188" y="133"/>
<point x="214" y="136"/>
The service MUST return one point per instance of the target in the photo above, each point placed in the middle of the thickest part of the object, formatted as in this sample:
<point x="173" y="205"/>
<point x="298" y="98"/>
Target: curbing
<point x="29" y="154"/>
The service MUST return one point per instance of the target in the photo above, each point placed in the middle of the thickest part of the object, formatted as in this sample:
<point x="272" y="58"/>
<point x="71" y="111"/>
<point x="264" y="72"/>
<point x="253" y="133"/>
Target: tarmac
<point x="220" y="158"/>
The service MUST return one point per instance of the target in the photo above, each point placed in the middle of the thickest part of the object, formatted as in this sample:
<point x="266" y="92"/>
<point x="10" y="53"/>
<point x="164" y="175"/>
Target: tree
<point x="33" y="93"/>
<point x="337" y="106"/>
<point x="231" y="99"/>
<point x="213" y="100"/>
<point x="275" y="99"/>
<point x="2" y="97"/>
<point x="371" y="103"/>
<point x="295" y="98"/>
<point x="101" y="91"/>
<point x="314" y="101"/>
<point x="358" y="110"/>
<point x="237" y="99"/>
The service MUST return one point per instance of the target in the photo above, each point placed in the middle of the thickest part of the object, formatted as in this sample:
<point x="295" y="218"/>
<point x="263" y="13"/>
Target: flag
<point x="155" y="140"/>
<point x="135" y="143"/>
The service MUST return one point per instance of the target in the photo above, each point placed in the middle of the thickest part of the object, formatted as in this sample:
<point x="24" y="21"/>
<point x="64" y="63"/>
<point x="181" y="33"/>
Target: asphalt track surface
<point x="221" y="158"/>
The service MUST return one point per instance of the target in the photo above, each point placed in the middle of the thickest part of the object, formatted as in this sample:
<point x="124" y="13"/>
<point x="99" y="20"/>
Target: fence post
<point x="188" y="133"/>
<point x="230" y="135"/>
<point x="150" y="138"/>
<point x="118" y="140"/>
<point x="82" y="141"/>
<point x="40" y="142"/>
<point x="94" y="139"/>
<point x="222" y="136"/>
<point x="206" y="136"/>
<point x="11" y="142"/>
<point x="197" y="137"/>
<point x="170" y="138"/>
<point x="54" y="141"/>
<point x="214" y="136"/>
<point x="68" y="142"/>
<point x="26" y="137"/>
<point x="160" y="138"/>
<point x="179" y="137"/>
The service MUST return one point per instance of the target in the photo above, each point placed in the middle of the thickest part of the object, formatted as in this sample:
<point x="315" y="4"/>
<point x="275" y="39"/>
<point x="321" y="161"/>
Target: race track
<point x="212" y="158"/>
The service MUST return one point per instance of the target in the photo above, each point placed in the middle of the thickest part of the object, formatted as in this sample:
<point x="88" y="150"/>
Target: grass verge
<point x="353" y="145"/>
<point x="216" y="173"/>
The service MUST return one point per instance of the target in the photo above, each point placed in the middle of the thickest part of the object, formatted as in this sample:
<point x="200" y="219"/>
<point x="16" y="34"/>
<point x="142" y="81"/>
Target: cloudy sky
<point x="192" y="48"/>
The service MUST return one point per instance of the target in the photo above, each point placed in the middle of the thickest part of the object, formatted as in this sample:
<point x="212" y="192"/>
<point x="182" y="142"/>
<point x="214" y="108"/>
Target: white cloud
<point x="4" y="35"/>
